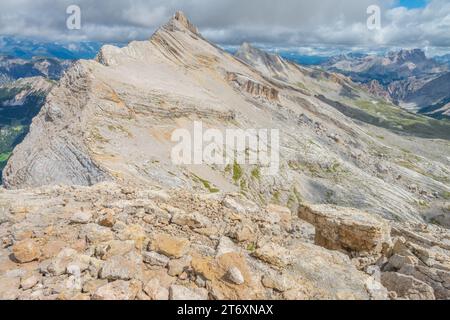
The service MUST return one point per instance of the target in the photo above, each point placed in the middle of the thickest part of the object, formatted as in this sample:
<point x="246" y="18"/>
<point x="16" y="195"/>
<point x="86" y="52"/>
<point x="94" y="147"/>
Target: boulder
<point x="93" y="233"/>
<point x="113" y="248"/>
<point x="65" y="258"/>
<point x="118" y="290"/>
<point x="155" y="259"/>
<point x="26" y="251"/>
<point x="274" y="255"/>
<point x="178" y="266"/>
<point x="347" y="229"/>
<point x="407" y="287"/>
<point x="193" y="220"/>
<point x="9" y="288"/>
<point x="438" y="279"/>
<point x="276" y="281"/>
<point x="122" y="267"/>
<point x="81" y="217"/>
<point x="325" y="274"/>
<point x="29" y="281"/>
<point x="177" y="292"/>
<point x="170" y="246"/>
<point x="155" y="291"/>
<point x="234" y="275"/>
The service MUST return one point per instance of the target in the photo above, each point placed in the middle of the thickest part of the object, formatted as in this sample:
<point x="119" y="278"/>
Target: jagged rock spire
<point x="181" y="20"/>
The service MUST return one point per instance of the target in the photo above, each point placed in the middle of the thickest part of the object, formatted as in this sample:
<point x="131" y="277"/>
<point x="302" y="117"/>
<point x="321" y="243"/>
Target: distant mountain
<point x="445" y="59"/>
<point x="263" y="61"/>
<point x="432" y="98"/>
<point x="16" y="68"/>
<point x="368" y="103"/>
<point x="306" y="60"/>
<point x="28" y="48"/>
<point x="394" y="66"/>
<point x="407" y="78"/>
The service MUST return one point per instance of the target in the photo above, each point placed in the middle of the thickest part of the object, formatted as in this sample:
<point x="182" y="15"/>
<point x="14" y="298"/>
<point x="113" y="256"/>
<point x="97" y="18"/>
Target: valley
<point x="20" y="102"/>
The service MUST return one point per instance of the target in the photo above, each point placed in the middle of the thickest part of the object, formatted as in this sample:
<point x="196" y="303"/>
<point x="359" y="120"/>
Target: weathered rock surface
<point x="122" y="267"/>
<point x="253" y="87"/>
<point x="117" y="290"/>
<point x="26" y="251"/>
<point x="347" y="229"/>
<point x="170" y="246"/>
<point x="169" y="260"/>
<point x="407" y="287"/>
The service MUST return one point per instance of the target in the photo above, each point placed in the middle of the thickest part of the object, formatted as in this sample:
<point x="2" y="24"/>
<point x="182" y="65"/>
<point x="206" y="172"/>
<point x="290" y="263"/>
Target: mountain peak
<point x="261" y="60"/>
<point x="408" y="55"/>
<point x="247" y="52"/>
<point x="247" y="48"/>
<point x="181" y="20"/>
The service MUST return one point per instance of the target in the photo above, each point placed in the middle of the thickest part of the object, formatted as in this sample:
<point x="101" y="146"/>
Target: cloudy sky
<point x="286" y="23"/>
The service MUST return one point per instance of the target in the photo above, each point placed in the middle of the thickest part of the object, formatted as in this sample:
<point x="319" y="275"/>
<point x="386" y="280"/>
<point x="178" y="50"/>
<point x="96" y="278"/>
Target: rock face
<point x="252" y="87"/>
<point x="347" y="229"/>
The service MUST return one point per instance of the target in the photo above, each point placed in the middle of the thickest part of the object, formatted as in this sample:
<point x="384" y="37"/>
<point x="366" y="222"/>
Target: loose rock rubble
<point x="112" y="242"/>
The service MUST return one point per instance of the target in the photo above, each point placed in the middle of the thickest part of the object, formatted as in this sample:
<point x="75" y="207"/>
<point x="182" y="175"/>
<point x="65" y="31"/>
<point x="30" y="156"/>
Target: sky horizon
<point x="321" y="28"/>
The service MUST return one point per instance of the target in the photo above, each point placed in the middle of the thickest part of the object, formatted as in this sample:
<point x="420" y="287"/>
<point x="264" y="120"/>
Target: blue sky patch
<point x="413" y="4"/>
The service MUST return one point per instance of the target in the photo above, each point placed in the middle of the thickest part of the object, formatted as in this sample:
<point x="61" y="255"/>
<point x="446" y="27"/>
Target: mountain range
<point x="358" y="210"/>
<point x="102" y="108"/>
<point x="28" y="49"/>
<point x="406" y="77"/>
<point x="12" y="68"/>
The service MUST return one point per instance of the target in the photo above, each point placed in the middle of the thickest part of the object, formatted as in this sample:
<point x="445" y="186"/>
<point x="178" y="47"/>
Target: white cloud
<point x="288" y="23"/>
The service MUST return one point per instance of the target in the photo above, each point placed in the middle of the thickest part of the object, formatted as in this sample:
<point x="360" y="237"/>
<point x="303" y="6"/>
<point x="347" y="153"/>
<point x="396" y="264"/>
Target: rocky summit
<point x="93" y="207"/>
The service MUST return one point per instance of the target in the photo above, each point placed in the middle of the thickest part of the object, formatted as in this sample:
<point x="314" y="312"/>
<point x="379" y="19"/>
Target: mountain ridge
<point x="128" y="93"/>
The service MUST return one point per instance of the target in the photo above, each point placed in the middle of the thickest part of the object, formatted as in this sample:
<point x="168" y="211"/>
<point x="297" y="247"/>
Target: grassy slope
<point x="394" y="118"/>
<point x="4" y="158"/>
<point x="383" y="114"/>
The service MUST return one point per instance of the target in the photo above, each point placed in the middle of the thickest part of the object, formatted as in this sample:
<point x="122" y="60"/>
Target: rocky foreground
<point x="115" y="242"/>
